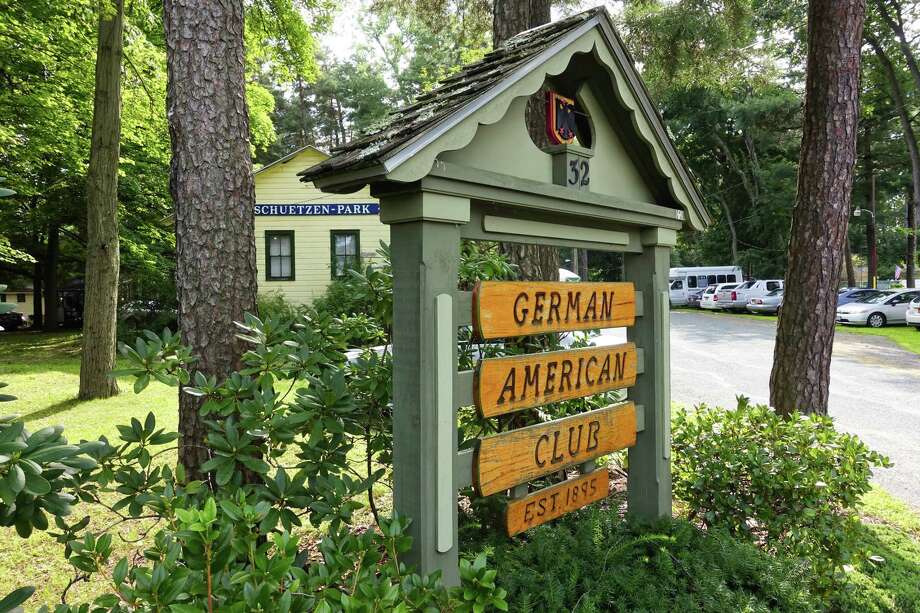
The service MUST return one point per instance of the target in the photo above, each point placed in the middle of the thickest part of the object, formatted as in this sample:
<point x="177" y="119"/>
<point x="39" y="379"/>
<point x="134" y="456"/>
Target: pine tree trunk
<point x="50" y="267"/>
<point x="913" y="151"/>
<point x="212" y="188"/>
<point x="509" y="17"/>
<point x="849" y="271"/>
<point x="805" y="335"/>
<point x="38" y="308"/>
<point x="871" y="245"/>
<point x="100" y="301"/>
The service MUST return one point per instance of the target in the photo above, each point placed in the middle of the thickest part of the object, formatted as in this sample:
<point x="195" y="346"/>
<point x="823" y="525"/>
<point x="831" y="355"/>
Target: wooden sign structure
<point x="518" y="456"/>
<point x="470" y="172"/>
<point x="505" y="385"/>
<point x="517" y="308"/>
<point x="553" y="502"/>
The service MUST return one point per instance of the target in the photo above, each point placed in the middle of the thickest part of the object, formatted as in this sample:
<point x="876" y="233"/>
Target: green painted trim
<point x="269" y="234"/>
<point x="474" y="230"/>
<point x="332" y="254"/>
<point x="445" y="340"/>
<point x="463" y="469"/>
<point x="507" y="225"/>
<point x="455" y="179"/>
<point x="463" y="388"/>
<point x="659" y="236"/>
<point x="417" y="206"/>
<point x="649" y="479"/>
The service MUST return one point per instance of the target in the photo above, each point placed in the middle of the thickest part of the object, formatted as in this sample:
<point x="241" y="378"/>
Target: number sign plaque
<point x="504" y="385"/>
<point x="555" y="501"/>
<point x="510" y="458"/>
<point x="518" y="308"/>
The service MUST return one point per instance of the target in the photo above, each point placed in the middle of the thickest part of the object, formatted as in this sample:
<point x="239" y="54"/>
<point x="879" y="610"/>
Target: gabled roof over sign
<point x="447" y="117"/>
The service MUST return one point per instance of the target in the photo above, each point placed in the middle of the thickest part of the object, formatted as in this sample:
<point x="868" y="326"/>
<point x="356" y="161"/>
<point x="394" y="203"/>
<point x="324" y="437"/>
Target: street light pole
<point x="871" y="255"/>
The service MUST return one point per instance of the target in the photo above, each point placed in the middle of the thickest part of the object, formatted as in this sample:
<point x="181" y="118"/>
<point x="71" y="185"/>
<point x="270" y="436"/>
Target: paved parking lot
<point x="875" y="385"/>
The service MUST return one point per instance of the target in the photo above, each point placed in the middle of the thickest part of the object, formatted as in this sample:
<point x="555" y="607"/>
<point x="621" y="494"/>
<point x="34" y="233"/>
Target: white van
<point x="685" y="281"/>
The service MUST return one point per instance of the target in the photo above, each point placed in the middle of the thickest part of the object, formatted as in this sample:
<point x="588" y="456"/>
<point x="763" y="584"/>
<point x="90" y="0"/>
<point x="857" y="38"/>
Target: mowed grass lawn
<point x="42" y="370"/>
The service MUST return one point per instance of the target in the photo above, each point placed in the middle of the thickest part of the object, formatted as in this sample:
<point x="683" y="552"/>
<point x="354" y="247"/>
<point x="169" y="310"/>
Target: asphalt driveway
<point x="875" y="385"/>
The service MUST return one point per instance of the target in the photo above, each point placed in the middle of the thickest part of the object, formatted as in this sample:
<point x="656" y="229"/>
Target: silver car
<point x="889" y="307"/>
<point x="769" y="303"/>
<point x="913" y="314"/>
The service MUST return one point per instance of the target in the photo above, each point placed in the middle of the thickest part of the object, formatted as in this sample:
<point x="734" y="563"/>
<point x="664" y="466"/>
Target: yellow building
<point x="305" y="238"/>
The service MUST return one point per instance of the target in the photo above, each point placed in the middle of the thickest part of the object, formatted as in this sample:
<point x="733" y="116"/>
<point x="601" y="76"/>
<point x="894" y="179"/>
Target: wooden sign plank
<point x="505" y="385"/>
<point x="518" y="456"/>
<point x="518" y="308"/>
<point x="555" y="501"/>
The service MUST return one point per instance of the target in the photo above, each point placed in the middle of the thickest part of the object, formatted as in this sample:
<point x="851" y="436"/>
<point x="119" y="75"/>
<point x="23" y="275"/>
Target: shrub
<point x="278" y="459"/>
<point x="593" y="560"/>
<point x="273" y="305"/>
<point x="790" y="484"/>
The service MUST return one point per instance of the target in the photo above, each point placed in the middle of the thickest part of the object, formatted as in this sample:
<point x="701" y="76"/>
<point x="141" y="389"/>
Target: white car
<point x="913" y="314"/>
<point x="889" y="307"/>
<point x="713" y="295"/>
<point x="747" y="291"/>
<point x="769" y="304"/>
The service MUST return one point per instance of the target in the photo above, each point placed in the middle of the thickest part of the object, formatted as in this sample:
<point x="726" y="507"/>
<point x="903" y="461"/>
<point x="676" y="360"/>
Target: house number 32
<point x="578" y="172"/>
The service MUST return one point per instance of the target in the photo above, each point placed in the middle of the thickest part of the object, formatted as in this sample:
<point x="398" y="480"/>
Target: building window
<point x="279" y="255"/>
<point x="346" y="250"/>
<point x="2" y="297"/>
<point x="20" y="297"/>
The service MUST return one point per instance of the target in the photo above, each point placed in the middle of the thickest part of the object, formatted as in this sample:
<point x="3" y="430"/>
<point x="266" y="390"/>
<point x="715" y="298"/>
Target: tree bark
<point x="800" y="378"/>
<point x="913" y="151"/>
<point x="50" y="266"/>
<point x="896" y="24"/>
<point x="849" y="271"/>
<point x="871" y="242"/>
<point x="100" y="300"/>
<point x="212" y="188"/>
<point x="38" y="309"/>
<point x="509" y="17"/>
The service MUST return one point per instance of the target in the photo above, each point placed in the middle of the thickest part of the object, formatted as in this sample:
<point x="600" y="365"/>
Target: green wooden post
<point x="649" y="482"/>
<point x="425" y="239"/>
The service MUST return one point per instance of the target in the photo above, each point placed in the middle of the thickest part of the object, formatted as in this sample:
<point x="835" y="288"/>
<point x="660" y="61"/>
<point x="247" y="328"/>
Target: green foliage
<point x="279" y="433"/>
<point x="37" y="474"/>
<point x="792" y="484"/>
<point x="594" y="561"/>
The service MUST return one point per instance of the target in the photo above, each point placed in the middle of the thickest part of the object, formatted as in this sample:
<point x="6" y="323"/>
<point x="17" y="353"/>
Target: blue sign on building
<point x="347" y="208"/>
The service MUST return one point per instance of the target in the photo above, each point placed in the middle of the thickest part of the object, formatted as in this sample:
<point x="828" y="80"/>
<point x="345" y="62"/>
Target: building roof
<point x="290" y="156"/>
<point x="414" y="127"/>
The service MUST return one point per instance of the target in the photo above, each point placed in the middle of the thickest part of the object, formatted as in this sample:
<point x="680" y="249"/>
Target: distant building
<point x="304" y="238"/>
<point x="23" y="299"/>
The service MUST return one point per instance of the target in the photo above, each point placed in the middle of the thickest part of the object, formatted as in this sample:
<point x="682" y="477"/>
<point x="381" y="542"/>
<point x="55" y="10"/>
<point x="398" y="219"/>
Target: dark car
<point x="12" y="321"/>
<point x="854" y="294"/>
<point x="693" y="298"/>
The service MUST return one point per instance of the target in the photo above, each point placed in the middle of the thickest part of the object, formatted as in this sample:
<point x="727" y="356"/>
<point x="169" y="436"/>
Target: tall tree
<point x="509" y="17"/>
<point x="100" y="306"/>
<point x="800" y="379"/>
<point x="212" y="188"/>
<point x="913" y="151"/>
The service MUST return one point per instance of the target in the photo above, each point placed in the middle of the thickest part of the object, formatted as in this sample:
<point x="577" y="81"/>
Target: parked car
<point x="854" y="294"/>
<point x="13" y="320"/>
<point x="766" y="304"/>
<point x="725" y="295"/>
<point x="684" y="281"/>
<point x="694" y="297"/>
<point x="745" y="292"/>
<point x="713" y="294"/>
<point x="887" y="307"/>
<point x="913" y="314"/>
